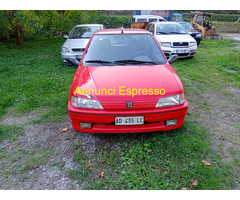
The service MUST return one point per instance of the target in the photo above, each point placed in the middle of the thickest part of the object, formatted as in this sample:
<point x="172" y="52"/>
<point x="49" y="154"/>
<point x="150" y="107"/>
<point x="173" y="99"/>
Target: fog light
<point x="85" y="125"/>
<point x="172" y="122"/>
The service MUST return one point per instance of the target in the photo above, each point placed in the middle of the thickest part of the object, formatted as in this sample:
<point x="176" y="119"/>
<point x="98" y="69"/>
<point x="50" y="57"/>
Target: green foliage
<point x="114" y="21"/>
<point x="43" y="22"/>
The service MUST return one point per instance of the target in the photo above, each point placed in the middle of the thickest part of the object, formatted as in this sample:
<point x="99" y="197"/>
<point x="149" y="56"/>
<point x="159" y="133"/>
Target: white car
<point x="77" y="40"/>
<point x="173" y="39"/>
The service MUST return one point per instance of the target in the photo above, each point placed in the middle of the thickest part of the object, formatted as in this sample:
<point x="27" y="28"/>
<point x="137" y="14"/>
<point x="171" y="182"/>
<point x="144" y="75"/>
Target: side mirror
<point x="172" y="58"/>
<point x="65" y="36"/>
<point x="73" y="61"/>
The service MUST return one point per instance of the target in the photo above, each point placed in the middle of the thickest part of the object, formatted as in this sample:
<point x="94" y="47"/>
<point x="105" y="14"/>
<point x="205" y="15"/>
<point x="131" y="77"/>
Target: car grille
<point x="78" y="49"/>
<point x="178" y="44"/>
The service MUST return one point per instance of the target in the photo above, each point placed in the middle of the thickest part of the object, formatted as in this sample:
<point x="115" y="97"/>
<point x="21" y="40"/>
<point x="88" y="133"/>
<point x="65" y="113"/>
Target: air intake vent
<point x="180" y="44"/>
<point x="78" y="49"/>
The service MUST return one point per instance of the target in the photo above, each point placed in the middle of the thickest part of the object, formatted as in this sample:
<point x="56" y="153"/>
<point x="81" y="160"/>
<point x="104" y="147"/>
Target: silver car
<point x="77" y="40"/>
<point x="173" y="39"/>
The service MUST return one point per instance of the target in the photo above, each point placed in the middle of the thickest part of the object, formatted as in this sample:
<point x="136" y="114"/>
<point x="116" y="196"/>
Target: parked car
<point x="124" y="84"/>
<point x="77" y="40"/>
<point x="173" y="38"/>
<point x="192" y="31"/>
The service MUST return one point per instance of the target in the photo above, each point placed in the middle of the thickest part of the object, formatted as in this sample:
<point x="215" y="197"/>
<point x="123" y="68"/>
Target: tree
<point x="21" y="23"/>
<point x="16" y="20"/>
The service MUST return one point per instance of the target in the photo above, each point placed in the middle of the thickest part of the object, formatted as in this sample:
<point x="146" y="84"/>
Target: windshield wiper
<point x="175" y="32"/>
<point x="162" y="32"/>
<point x="133" y="62"/>
<point x="98" y="61"/>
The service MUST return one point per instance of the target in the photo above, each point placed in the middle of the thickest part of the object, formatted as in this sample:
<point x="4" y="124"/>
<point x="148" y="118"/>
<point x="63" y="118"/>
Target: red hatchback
<point x="124" y="84"/>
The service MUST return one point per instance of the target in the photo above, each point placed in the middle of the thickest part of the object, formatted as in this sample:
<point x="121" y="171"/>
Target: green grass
<point x="161" y="161"/>
<point x="10" y="132"/>
<point x="33" y="76"/>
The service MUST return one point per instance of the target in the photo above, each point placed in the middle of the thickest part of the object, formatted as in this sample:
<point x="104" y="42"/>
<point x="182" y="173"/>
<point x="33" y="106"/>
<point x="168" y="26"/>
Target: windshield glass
<point x="83" y="32"/>
<point x="187" y="26"/>
<point x="170" y="29"/>
<point x="123" y="49"/>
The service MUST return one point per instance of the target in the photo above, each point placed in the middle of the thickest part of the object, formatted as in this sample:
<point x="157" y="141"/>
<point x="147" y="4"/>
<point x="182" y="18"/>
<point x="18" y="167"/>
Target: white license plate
<point x="182" y="51"/>
<point x="129" y="120"/>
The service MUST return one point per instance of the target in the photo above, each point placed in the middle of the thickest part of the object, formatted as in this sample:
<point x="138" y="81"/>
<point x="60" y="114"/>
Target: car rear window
<point x="110" y="49"/>
<point x="83" y="32"/>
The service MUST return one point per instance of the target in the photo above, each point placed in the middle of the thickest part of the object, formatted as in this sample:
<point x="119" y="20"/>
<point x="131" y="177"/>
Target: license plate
<point x="129" y="120"/>
<point x="182" y="51"/>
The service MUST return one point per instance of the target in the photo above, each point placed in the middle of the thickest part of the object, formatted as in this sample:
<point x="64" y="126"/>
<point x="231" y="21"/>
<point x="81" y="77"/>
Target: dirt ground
<point x="55" y="150"/>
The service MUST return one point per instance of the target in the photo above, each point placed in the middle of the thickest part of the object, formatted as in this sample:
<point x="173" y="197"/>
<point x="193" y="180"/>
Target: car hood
<point x="76" y="43"/>
<point x="193" y="31"/>
<point x="122" y="78"/>
<point x="175" y="38"/>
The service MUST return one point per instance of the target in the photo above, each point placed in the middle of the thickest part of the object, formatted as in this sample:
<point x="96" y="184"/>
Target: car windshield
<point x="83" y="32"/>
<point x="170" y="29"/>
<point x="123" y="49"/>
<point x="187" y="26"/>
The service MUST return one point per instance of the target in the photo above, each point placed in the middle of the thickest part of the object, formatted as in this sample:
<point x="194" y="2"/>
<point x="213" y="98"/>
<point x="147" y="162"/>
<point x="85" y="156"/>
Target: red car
<point x="125" y="84"/>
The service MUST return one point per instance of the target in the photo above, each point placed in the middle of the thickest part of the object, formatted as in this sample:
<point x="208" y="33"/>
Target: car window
<point x="83" y="32"/>
<point x="123" y="49"/>
<point x="148" y="27"/>
<point x="152" y="28"/>
<point x="187" y="26"/>
<point x="170" y="29"/>
<point x="141" y="20"/>
<point x="152" y="20"/>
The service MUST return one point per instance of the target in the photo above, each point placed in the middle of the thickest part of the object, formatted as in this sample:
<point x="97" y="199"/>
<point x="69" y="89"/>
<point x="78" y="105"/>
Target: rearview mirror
<point x="172" y="58"/>
<point x="65" y="36"/>
<point x="73" y="61"/>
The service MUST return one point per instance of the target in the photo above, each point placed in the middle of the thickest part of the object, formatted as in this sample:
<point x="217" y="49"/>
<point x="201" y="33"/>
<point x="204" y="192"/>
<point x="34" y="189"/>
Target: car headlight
<point x="79" y="102"/>
<point x="65" y="49"/>
<point x="199" y="35"/>
<point x="193" y="44"/>
<point x="166" y="44"/>
<point x="171" y="101"/>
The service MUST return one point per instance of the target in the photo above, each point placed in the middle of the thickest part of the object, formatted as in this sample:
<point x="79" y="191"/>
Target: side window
<point x="152" y="20"/>
<point x="152" y="30"/>
<point x="141" y="20"/>
<point x="148" y="27"/>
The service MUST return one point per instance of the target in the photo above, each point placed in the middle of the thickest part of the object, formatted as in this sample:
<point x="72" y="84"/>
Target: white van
<point x="147" y="18"/>
<point x="141" y="21"/>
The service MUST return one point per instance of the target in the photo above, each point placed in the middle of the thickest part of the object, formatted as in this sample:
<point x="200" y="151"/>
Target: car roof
<point x="147" y="16"/>
<point x="82" y="25"/>
<point x="164" y="22"/>
<point x="121" y="31"/>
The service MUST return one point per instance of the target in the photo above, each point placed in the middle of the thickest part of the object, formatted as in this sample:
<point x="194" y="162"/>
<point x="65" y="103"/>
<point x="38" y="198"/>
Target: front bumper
<point x="182" y="52"/>
<point x="104" y="121"/>
<point x="66" y="55"/>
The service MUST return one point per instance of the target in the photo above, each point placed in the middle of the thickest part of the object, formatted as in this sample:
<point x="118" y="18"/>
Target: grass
<point x="161" y="161"/>
<point x="10" y="132"/>
<point x="33" y="78"/>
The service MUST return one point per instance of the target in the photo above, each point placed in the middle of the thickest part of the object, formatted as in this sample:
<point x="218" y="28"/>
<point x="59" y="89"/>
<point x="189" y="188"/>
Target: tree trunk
<point x="19" y="33"/>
